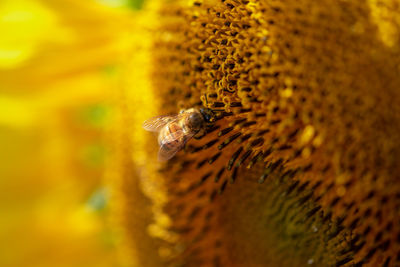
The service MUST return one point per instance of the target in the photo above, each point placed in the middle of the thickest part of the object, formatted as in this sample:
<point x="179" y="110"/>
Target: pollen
<point x="308" y="133"/>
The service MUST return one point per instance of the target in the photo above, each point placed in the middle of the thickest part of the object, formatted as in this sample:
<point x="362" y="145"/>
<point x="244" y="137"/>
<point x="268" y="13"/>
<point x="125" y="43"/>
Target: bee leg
<point x="199" y="135"/>
<point x="209" y="125"/>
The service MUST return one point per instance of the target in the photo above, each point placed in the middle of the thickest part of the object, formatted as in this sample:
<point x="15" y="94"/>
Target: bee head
<point x="208" y="114"/>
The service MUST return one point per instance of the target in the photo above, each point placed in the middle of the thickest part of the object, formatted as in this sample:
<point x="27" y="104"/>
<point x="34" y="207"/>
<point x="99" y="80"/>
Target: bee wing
<point x="170" y="148"/>
<point x="156" y="123"/>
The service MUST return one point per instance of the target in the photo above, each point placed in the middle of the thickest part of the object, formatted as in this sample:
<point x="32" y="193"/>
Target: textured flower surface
<point x="301" y="166"/>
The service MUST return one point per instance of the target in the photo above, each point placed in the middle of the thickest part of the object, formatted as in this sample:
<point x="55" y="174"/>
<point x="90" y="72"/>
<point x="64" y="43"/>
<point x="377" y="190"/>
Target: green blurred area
<point x="133" y="4"/>
<point x="136" y="4"/>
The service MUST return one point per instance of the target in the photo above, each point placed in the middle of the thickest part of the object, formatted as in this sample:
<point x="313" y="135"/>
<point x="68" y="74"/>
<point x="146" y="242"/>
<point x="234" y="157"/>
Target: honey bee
<point x="175" y="130"/>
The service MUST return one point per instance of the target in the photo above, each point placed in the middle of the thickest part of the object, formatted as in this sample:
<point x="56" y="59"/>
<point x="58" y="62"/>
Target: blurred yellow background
<point x="59" y="69"/>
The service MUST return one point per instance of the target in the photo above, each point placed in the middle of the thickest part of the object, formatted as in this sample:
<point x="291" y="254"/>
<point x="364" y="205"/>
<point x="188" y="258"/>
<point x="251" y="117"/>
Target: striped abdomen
<point x="171" y="136"/>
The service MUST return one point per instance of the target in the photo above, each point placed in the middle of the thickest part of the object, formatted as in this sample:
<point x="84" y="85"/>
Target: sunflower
<point x="300" y="167"/>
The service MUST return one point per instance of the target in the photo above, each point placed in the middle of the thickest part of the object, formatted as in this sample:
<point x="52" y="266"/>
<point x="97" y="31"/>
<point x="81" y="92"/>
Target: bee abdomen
<point x="170" y="136"/>
<point x="174" y="130"/>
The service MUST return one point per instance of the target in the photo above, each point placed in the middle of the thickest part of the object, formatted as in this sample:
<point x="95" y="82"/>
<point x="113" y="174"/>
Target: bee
<point x="175" y="130"/>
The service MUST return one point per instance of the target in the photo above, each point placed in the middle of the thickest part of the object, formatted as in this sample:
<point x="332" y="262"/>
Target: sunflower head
<point x="300" y="164"/>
